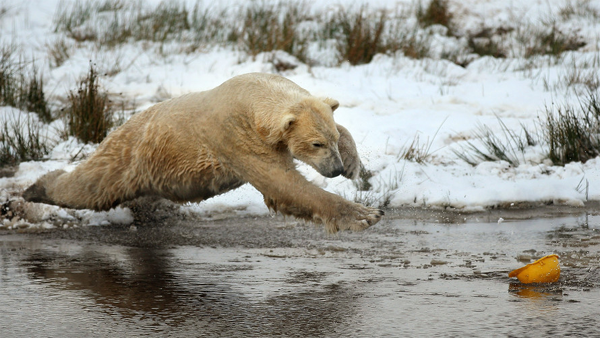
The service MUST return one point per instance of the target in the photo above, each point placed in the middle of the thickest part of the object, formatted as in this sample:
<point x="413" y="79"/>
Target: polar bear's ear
<point x="287" y="121"/>
<point x="334" y="104"/>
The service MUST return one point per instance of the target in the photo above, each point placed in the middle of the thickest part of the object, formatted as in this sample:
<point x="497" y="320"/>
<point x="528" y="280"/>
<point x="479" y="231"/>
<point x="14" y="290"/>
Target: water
<point x="266" y="278"/>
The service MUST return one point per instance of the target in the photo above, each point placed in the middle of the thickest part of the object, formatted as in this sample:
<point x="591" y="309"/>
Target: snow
<point x="385" y="104"/>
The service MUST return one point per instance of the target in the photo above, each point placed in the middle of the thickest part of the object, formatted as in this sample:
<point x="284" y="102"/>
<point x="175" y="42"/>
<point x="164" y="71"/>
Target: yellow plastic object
<point x="544" y="270"/>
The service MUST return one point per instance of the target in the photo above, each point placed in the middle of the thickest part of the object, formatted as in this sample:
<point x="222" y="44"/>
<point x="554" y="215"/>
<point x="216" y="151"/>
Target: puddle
<point x="268" y="278"/>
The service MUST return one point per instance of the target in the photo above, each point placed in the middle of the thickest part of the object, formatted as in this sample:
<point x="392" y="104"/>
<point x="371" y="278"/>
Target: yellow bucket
<point x="544" y="270"/>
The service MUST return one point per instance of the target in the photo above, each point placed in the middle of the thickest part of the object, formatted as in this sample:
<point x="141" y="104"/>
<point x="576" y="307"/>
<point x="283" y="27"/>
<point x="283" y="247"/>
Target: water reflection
<point x="143" y="286"/>
<point x="536" y="291"/>
<point x="150" y="287"/>
<point x="263" y="280"/>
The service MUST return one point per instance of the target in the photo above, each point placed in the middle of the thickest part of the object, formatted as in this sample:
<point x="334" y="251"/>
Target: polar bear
<point x="247" y="130"/>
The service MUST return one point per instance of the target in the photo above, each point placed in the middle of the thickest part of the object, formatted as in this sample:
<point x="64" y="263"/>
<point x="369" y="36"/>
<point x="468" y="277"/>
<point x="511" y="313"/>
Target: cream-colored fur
<point x="249" y="129"/>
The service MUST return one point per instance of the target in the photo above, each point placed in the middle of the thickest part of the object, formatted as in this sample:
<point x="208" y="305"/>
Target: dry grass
<point x="23" y="139"/>
<point x="21" y="86"/>
<point x="579" y="9"/>
<point x="381" y="193"/>
<point x="573" y="133"/>
<point x="89" y="114"/>
<point x="508" y="146"/>
<point x="357" y="34"/>
<point x="8" y="76"/>
<point x="484" y="44"/>
<point x="360" y="35"/>
<point x="416" y="151"/>
<point x="436" y="13"/>
<point x="59" y="51"/>
<point x="274" y="27"/>
<point x="32" y="96"/>
<point x="550" y="40"/>
<point x="568" y="134"/>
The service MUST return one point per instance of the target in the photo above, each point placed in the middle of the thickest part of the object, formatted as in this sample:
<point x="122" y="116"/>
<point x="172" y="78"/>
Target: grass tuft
<point x="274" y="27"/>
<point x="360" y="36"/>
<point x="573" y="133"/>
<point x="380" y="196"/>
<point x="209" y="27"/>
<point x="8" y="77"/>
<point x="167" y="21"/>
<point x="416" y="151"/>
<point x="486" y="46"/>
<point x="89" y="114"/>
<point x="495" y="148"/>
<point x="22" y="89"/>
<point x="569" y="134"/>
<point x="553" y="41"/>
<point x="59" y="52"/>
<point x="23" y="139"/>
<point x="436" y="13"/>
<point x="579" y="8"/>
<point x="415" y="46"/>
<point x="32" y="97"/>
<point x="69" y="19"/>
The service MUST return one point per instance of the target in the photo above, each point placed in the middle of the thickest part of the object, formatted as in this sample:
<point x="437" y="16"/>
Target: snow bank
<point x="385" y="104"/>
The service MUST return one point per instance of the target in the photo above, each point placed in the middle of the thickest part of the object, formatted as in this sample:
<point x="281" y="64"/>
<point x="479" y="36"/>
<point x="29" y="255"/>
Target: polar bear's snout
<point x="332" y="166"/>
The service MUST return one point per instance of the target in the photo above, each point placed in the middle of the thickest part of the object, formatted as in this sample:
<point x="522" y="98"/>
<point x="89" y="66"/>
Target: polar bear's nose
<point x="335" y="167"/>
<point x="337" y="172"/>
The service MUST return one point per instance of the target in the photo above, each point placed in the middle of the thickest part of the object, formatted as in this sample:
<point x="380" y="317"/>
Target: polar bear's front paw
<point x="355" y="217"/>
<point x="366" y="217"/>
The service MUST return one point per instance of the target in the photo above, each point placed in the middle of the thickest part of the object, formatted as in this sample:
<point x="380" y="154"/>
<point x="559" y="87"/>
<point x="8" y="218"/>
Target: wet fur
<point x="249" y="129"/>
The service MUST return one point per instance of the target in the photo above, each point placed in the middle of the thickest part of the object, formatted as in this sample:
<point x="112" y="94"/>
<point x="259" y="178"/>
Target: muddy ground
<point x="417" y="273"/>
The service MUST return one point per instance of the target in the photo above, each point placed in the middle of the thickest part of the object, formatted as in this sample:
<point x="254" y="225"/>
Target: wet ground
<point x="267" y="277"/>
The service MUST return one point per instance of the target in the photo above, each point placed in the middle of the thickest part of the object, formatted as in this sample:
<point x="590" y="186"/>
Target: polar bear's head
<point x="311" y="135"/>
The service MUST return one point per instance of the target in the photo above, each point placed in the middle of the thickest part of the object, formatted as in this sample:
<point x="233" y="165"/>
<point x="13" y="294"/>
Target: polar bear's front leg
<point x="285" y="190"/>
<point x="349" y="154"/>
<point x="325" y="208"/>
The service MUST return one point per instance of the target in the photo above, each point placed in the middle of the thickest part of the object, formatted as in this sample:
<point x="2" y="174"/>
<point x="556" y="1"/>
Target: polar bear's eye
<point x="318" y="145"/>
